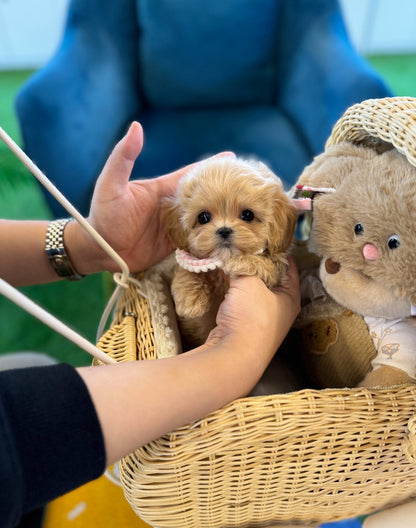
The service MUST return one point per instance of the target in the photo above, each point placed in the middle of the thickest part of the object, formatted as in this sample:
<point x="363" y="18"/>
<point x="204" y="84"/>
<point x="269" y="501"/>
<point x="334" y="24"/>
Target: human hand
<point x="256" y="319"/>
<point x="125" y="213"/>
<point x="251" y="324"/>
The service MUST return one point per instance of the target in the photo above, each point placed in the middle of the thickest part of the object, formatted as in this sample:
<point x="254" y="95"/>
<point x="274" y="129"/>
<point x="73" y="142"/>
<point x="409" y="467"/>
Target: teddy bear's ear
<point x="171" y="218"/>
<point x="326" y="169"/>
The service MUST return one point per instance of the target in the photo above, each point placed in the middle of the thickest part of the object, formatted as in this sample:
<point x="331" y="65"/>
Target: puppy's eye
<point x="247" y="215"/>
<point x="393" y="242"/>
<point x="358" y="229"/>
<point x="204" y="217"/>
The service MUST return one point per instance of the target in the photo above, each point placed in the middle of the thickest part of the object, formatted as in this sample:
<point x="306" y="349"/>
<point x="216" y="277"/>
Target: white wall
<point x="381" y="26"/>
<point x="30" y="30"/>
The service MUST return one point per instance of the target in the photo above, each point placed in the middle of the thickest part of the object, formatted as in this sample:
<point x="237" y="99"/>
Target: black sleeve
<point x="50" y="438"/>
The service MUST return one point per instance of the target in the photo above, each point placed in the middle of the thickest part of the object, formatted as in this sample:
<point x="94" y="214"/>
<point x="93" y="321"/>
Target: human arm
<point x="160" y="396"/>
<point x="60" y="426"/>
<point x="126" y="213"/>
<point x="23" y="258"/>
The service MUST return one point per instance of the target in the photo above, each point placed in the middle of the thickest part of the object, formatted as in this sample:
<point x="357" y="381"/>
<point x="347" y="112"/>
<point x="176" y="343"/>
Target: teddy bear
<point x="358" y="266"/>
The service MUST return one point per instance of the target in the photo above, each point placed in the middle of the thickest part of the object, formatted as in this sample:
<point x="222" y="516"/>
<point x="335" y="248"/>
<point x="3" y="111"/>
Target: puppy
<point x="228" y="216"/>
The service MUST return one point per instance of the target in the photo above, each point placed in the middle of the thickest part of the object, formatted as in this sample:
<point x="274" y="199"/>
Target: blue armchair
<point x="267" y="79"/>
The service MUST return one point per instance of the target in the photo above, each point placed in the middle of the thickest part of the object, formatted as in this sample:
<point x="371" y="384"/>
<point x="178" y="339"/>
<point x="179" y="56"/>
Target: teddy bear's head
<point x="365" y="230"/>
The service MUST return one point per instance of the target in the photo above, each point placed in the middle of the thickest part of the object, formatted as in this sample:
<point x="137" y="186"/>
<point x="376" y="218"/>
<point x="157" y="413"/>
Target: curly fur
<point x="224" y="189"/>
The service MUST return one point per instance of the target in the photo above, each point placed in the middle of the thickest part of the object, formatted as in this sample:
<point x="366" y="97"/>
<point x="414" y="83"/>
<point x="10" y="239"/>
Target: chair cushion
<point x="176" y="138"/>
<point x="209" y="53"/>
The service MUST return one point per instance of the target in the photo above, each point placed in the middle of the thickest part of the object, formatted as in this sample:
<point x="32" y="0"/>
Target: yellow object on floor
<point x="98" y="504"/>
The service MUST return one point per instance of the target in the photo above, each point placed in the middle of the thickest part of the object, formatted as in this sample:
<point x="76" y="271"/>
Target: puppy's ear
<point x="283" y="224"/>
<point x="284" y="218"/>
<point x="171" y="218"/>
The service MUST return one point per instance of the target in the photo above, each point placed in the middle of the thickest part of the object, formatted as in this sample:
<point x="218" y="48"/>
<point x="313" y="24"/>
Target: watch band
<point x="55" y="249"/>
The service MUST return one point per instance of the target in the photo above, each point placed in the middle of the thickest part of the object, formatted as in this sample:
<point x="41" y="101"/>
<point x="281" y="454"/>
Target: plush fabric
<point x="265" y="79"/>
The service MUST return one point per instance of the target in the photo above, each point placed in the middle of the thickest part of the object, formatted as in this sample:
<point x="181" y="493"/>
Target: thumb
<point x="119" y="165"/>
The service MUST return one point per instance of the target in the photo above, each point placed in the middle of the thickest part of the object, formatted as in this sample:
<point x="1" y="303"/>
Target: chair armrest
<point x="73" y="110"/>
<point x="320" y="71"/>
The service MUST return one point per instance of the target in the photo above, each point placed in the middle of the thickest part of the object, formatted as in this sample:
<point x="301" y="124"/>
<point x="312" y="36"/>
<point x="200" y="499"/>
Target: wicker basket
<point x="305" y="457"/>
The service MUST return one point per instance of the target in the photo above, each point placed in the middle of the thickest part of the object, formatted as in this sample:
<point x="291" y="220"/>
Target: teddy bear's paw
<point x="319" y="336"/>
<point x="194" y="304"/>
<point x="386" y="376"/>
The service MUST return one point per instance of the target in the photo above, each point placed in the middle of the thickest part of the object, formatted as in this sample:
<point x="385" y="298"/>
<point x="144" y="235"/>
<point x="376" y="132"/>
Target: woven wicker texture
<point x="391" y="120"/>
<point x="305" y="457"/>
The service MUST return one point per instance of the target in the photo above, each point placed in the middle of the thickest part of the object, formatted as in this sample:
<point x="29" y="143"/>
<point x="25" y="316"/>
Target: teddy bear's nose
<point x="370" y="252"/>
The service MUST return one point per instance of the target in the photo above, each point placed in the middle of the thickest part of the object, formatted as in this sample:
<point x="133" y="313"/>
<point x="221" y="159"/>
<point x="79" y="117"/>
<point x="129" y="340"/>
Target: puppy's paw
<point x="239" y="266"/>
<point x="194" y="304"/>
<point x="263" y="268"/>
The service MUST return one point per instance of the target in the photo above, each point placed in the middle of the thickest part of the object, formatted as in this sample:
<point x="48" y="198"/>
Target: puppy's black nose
<point x="224" y="232"/>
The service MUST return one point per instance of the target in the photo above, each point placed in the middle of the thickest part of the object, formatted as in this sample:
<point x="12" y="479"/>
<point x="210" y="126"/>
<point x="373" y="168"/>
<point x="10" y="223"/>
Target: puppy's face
<point x="226" y="207"/>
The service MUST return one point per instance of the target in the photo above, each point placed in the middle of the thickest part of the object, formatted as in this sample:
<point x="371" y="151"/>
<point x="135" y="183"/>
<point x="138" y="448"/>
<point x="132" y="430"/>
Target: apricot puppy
<point x="229" y="216"/>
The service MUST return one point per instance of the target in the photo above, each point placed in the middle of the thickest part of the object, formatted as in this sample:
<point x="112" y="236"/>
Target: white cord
<point x="24" y="302"/>
<point x="108" y="309"/>
<point x="28" y="305"/>
<point x="114" y="298"/>
<point x="38" y="174"/>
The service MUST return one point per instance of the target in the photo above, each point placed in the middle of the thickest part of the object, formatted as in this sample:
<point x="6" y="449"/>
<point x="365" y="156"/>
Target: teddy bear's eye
<point x="247" y="215"/>
<point x="358" y="229"/>
<point x="204" y="217"/>
<point x="393" y="242"/>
